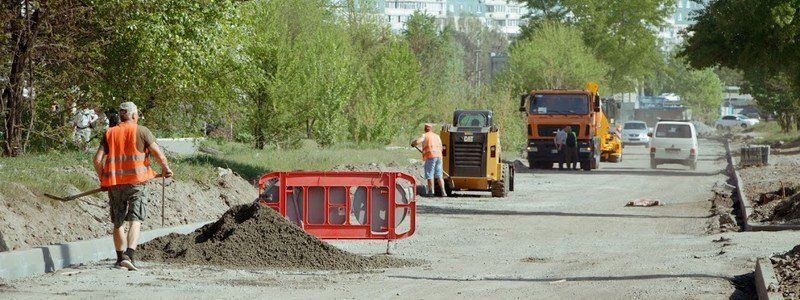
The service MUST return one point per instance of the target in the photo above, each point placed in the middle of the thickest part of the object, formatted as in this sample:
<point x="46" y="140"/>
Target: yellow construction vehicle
<point x="472" y="157"/>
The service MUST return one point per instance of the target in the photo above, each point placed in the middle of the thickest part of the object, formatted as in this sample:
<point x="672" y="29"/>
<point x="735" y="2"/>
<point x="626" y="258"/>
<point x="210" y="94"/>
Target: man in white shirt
<point x="561" y="137"/>
<point x="82" y="124"/>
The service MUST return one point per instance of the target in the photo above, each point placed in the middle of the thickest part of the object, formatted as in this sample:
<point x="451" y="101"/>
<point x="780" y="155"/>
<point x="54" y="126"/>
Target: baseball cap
<point x="428" y="125"/>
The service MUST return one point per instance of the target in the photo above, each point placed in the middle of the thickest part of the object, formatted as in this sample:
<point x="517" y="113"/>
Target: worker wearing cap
<point x="123" y="165"/>
<point x="432" y="155"/>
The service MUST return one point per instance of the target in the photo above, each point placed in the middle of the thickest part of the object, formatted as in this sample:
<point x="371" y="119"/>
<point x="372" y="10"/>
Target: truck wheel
<point x="500" y="187"/>
<point x="531" y="164"/>
<point x="744" y="126"/>
<point x="586" y="165"/>
<point x="614" y="159"/>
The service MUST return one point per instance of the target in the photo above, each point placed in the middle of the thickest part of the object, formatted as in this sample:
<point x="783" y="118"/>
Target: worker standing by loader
<point x="123" y="165"/>
<point x="432" y="155"/>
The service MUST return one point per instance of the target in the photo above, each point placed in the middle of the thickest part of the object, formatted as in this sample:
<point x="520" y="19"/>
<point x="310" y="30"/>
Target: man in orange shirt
<point x="432" y="155"/>
<point x="123" y="165"/>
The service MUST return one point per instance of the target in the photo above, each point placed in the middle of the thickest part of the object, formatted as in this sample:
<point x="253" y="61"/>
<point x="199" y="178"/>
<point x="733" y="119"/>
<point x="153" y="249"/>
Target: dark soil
<point x="787" y="269"/>
<point x="772" y="190"/>
<point x="253" y="236"/>
<point x="723" y="217"/>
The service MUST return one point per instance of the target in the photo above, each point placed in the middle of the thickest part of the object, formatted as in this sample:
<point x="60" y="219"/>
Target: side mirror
<point x="522" y="102"/>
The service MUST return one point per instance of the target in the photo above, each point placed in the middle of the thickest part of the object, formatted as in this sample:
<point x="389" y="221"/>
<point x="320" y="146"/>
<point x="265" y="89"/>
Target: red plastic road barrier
<point x="344" y="205"/>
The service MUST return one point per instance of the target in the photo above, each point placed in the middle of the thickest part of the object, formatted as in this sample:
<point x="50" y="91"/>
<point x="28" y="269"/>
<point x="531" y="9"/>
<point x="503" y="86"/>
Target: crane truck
<point x="547" y="111"/>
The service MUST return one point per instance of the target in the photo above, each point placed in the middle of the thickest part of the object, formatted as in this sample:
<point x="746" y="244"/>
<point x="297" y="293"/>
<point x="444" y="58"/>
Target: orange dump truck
<point x="549" y="110"/>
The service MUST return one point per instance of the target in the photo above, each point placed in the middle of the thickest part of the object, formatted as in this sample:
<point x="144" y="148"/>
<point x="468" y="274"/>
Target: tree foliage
<point x="620" y="32"/>
<point x="553" y="57"/>
<point x="749" y="36"/>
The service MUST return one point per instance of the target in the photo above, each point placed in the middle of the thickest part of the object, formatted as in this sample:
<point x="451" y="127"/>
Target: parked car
<point x="674" y="142"/>
<point x="731" y="121"/>
<point x="635" y="132"/>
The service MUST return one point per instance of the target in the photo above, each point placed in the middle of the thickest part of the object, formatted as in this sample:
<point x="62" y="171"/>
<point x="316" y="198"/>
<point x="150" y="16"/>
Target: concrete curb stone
<point x="41" y="260"/>
<point x="766" y="282"/>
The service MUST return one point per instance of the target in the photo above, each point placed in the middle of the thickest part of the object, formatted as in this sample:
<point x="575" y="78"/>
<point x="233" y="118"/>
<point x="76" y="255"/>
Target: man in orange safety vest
<point x="432" y="155"/>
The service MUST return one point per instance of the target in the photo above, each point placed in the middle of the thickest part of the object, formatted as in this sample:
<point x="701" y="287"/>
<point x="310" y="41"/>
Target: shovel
<point x="84" y="194"/>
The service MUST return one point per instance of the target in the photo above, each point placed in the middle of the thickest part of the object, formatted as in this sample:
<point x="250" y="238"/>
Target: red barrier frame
<point x="348" y="180"/>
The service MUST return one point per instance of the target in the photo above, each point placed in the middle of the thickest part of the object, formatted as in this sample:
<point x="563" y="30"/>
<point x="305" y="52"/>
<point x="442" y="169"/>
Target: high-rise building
<point x="682" y="17"/>
<point x="503" y="15"/>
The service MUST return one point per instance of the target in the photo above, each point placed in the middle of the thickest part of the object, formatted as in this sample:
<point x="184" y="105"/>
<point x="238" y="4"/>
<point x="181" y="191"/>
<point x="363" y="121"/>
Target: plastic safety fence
<point x="344" y="205"/>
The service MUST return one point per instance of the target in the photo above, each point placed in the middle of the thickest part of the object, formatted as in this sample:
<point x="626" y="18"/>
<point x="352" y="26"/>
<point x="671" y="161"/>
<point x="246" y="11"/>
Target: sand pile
<point x="253" y="236"/>
<point x="787" y="269"/>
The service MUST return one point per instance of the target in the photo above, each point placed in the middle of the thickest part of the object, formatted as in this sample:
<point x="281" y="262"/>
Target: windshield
<point x="475" y="119"/>
<point x="680" y="131"/>
<point x="635" y="126"/>
<point x="560" y="104"/>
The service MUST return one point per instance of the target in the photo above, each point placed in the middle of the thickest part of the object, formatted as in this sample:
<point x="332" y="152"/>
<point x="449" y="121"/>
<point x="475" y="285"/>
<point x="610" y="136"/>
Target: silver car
<point x="635" y="132"/>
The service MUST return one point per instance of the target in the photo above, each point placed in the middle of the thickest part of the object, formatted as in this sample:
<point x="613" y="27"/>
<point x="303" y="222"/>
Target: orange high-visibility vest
<point x="432" y="147"/>
<point x="124" y="163"/>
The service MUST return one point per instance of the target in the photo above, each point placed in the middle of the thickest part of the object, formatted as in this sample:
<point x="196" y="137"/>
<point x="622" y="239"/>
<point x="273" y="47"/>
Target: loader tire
<point x="500" y="187"/>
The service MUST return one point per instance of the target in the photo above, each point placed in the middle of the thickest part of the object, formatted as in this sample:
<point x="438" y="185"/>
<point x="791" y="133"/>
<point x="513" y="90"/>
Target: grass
<point x="251" y="164"/>
<point x="770" y="133"/>
<point x="58" y="172"/>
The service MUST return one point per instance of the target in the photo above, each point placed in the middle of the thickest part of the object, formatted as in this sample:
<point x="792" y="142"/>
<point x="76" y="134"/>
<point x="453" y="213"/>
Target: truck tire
<point x="500" y="187"/>
<point x="586" y="165"/>
<point x="531" y="164"/>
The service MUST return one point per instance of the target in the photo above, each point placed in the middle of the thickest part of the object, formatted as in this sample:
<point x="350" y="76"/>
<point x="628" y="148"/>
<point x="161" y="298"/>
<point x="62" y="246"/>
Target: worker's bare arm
<point x="162" y="159"/>
<point x="98" y="161"/>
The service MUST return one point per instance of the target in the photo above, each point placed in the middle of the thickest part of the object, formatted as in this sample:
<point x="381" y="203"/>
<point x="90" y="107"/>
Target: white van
<point x="673" y="142"/>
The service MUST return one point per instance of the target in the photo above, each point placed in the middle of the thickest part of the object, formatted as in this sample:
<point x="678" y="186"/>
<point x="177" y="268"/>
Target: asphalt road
<point x="560" y="235"/>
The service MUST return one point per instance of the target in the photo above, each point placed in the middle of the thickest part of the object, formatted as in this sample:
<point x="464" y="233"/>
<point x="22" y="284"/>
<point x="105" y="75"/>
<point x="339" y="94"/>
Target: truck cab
<point x="547" y="111"/>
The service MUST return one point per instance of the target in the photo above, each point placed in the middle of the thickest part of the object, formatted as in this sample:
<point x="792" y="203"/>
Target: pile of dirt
<point x="703" y="130"/>
<point x="28" y="219"/>
<point x="253" y="236"/>
<point x="414" y="168"/>
<point x="772" y="189"/>
<point x="787" y="269"/>
<point x="722" y="209"/>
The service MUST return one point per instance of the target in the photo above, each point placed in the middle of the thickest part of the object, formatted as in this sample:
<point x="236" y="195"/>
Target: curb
<point x="766" y="282"/>
<point x="745" y="206"/>
<point x="41" y="260"/>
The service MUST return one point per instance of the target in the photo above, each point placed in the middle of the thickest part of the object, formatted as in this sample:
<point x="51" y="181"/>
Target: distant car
<point x="674" y="142"/>
<point x="731" y="121"/>
<point x="635" y="132"/>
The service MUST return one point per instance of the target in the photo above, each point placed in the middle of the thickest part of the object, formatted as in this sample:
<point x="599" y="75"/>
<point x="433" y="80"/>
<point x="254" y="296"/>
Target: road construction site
<point x="560" y="234"/>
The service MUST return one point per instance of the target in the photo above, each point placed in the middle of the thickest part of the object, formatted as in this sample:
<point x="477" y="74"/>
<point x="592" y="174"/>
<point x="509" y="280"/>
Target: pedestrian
<point x="560" y="138"/>
<point x="82" y="122"/>
<point x="123" y="165"/>
<point x="432" y="155"/>
<point x="570" y="150"/>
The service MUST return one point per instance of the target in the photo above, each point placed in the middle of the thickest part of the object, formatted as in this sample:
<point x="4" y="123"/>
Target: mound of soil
<point x="787" y="269"/>
<point x="253" y="236"/>
<point x="722" y="212"/>
<point x="28" y="219"/>
<point x="772" y="189"/>
<point x="414" y="168"/>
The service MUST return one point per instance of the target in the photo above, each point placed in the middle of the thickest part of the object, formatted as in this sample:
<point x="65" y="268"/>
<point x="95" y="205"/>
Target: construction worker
<point x="570" y="150"/>
<point x="123" y="165"/>
<point x="432" y="155"/>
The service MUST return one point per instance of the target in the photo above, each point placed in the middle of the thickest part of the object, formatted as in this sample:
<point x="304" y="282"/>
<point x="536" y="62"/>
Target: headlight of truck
<point x="533" y="149"/>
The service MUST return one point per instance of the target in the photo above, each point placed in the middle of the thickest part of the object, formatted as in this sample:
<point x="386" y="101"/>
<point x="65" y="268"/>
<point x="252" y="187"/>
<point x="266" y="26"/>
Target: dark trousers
<point x="570" y="157"/>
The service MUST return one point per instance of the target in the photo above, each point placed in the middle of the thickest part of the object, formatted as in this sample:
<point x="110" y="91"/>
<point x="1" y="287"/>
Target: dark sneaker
<point x="127" y="263"/>
<point x="118" y="265"/>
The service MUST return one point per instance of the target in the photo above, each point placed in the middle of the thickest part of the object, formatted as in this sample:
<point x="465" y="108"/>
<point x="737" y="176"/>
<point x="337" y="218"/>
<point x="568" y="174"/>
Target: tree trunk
<point x="258" y="130"/>
<point x="24" y="29"/>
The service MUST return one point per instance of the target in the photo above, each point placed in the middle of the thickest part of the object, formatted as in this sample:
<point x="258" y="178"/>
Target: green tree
<point x="554" y="57"/>
<point x="619" y="32"/>
<point x="748" y="35"/>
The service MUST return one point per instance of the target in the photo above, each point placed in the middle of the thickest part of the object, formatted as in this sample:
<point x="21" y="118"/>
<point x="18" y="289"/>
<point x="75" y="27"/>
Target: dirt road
<point x="560" y="235"/>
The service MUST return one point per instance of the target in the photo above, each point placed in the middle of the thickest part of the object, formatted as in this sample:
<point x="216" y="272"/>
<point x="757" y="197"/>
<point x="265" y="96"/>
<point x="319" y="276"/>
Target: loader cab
<point x="472" y="119"/>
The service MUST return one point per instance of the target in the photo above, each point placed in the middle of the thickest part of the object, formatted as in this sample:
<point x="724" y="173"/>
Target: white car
<point x="731" y="121"/>
<point x="635" y="132"/>
<point x="674" y="142"/>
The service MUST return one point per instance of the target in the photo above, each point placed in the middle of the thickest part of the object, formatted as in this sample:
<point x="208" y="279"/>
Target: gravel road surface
<point x="560" y="235"/>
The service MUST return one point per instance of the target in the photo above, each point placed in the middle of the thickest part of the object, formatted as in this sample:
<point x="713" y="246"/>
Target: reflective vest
<point x="432" y="146"/>
<point x="124" y="163"/>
